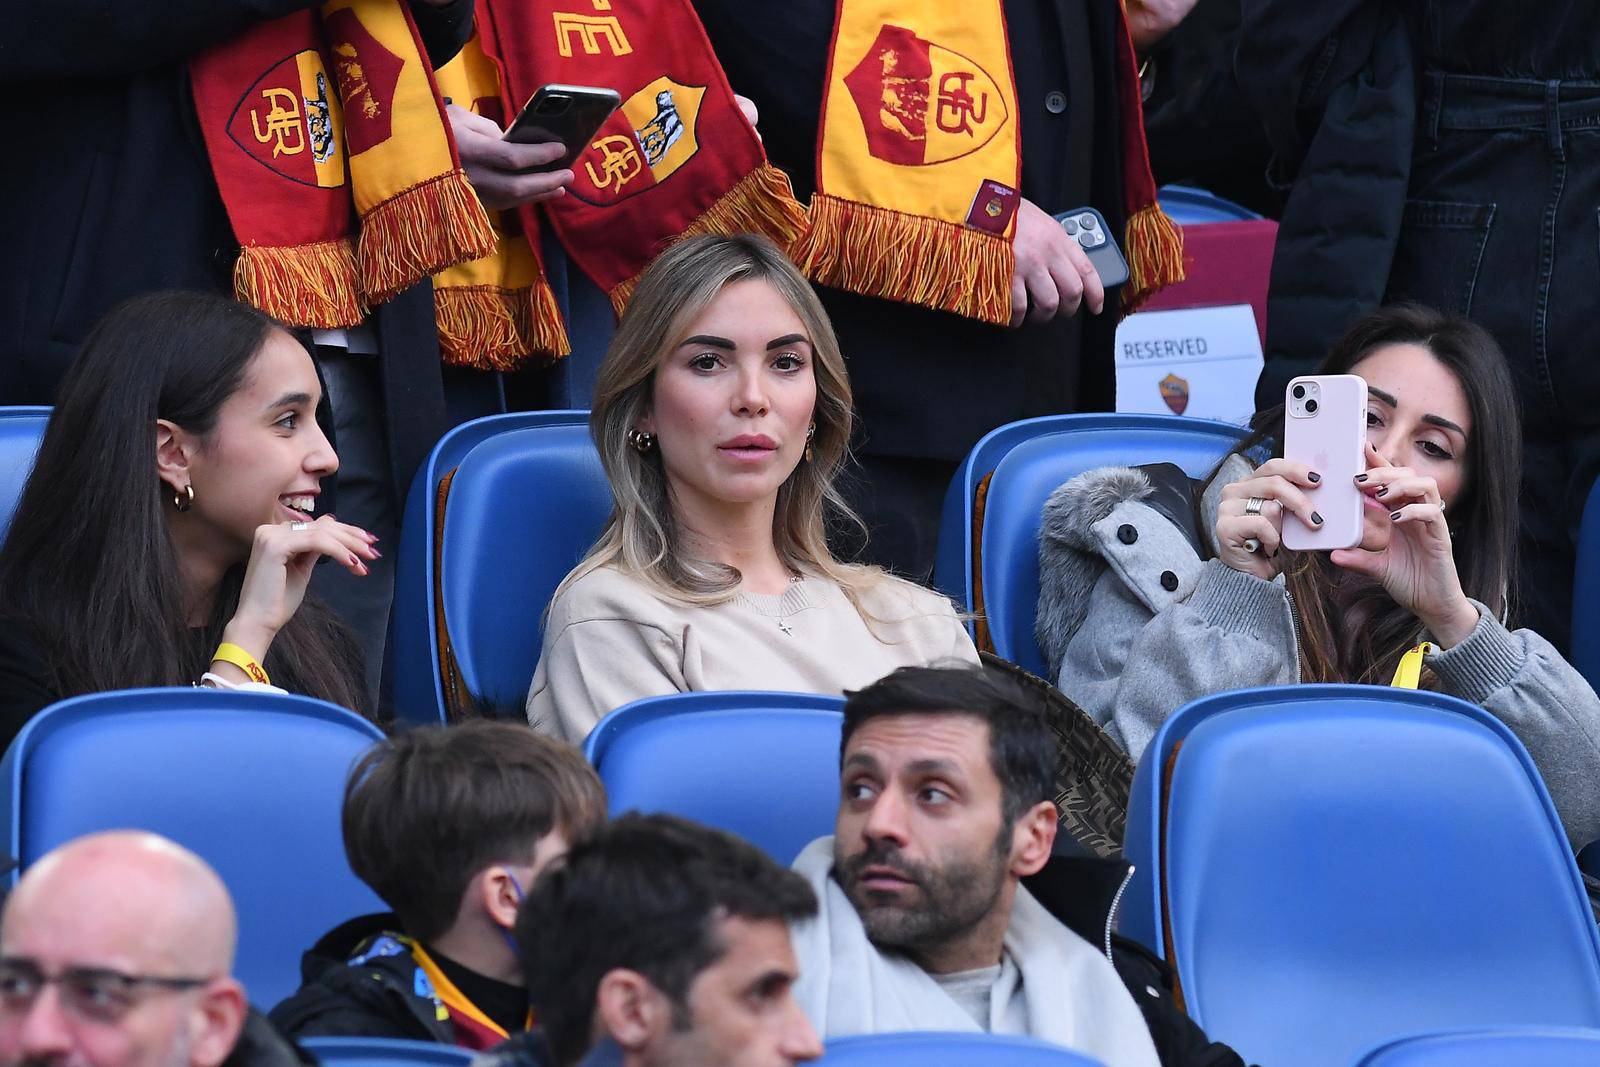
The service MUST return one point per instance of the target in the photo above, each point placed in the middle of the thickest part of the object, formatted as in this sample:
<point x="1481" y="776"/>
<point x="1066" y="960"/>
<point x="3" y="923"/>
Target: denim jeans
<point x="1502" y="224"/>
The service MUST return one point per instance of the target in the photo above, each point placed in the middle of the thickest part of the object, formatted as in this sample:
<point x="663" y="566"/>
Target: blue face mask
<point x="511" y="942"/>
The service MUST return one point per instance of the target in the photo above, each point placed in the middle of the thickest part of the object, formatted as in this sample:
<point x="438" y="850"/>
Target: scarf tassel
<point x="308" y="285"/>
<point x="916" y="260"/>
<point x="1154" y="246"/>
<point x="488" y="327"/>
<point x="760" y="202"/>
<point x="421" y="231"/>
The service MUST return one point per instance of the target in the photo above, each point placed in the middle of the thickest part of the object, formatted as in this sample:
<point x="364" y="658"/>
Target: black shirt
<point x="505" y="1004"/>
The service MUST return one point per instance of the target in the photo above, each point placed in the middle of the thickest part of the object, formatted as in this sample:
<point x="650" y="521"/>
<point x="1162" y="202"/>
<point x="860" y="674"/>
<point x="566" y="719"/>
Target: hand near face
<point x="1407" y="547"/>
<point x="280" y="565"/>
<point x="1053" y="274"/>
<point x="1281" y="485"/>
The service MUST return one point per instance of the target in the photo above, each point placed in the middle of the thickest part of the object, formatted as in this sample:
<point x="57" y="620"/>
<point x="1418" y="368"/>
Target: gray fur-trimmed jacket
<point x="1136" y="618"/>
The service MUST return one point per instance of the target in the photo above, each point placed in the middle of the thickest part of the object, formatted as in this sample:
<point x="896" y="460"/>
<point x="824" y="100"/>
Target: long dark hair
<point x="89" y="564"/>
<point x="1483" y="519"/>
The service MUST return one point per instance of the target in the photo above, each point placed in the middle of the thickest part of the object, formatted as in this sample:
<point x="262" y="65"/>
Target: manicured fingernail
<point x="1316" y="519"/>
<point x="1361" y="477"/>
<point x="1314" y="477"/>
<point x="1394" y="515"/>
<point x="353" y="561"/>
<point x="376" y="554"/>
<point x="1382" y="491"/>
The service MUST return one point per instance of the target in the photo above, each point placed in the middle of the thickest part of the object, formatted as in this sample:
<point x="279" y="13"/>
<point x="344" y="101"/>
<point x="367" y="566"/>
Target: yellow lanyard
<point x="1409" y="673"/>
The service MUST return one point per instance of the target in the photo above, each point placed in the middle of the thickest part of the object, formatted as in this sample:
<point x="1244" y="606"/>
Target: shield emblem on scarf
<point x="290" y="122"/>
<point x="1175" y="391"/>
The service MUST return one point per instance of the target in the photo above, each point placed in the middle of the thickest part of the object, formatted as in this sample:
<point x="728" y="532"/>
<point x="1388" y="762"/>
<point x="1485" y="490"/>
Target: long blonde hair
<point x="641" y="537"/>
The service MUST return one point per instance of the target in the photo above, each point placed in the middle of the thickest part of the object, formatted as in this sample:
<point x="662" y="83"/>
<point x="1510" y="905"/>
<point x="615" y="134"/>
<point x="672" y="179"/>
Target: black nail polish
<point x="1361" y="477"/>
<point x="1382" y="491"/>
<point x="1316" y="519"/>
<point x="1314" y="477"/>
<point x="1394" y="515"/>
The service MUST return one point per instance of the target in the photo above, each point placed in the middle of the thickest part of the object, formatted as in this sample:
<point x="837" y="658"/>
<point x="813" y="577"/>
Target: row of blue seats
<point x="522" y="498"/>
<point x="1325" y="867"/>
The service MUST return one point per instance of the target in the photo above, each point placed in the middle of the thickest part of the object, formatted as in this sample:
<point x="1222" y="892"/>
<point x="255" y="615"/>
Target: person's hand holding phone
<point x="1053" y="274"/>
<point x="1406" y="546"/>
<point x="1249" y="529"/>
<point x="495" y="166"/>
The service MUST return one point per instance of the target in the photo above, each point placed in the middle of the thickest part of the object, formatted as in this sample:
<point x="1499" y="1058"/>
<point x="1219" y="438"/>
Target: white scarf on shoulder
<point x="1057" y="987"/>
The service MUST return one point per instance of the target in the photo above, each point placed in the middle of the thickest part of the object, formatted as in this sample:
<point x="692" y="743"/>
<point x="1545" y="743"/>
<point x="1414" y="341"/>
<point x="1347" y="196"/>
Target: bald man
<point x="116" y="950"/>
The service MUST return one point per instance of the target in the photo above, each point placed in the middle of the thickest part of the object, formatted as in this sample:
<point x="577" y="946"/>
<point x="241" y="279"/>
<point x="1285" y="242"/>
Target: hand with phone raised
<point x="504" y="173"/>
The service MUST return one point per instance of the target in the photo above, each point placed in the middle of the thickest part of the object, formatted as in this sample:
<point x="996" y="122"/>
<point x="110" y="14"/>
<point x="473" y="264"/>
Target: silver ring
<point x="1253" y="505"/>
<point x="298" y="526"/>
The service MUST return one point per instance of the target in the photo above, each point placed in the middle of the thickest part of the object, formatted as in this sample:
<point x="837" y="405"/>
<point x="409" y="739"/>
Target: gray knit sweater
<point x="1134" y="628"/>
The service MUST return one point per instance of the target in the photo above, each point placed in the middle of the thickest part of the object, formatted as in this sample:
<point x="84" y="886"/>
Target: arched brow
<point x="291" y="400"/>
<point x="787" y="339"/>
<point x="710" y="341"/>
<point x="1434" y="420"/>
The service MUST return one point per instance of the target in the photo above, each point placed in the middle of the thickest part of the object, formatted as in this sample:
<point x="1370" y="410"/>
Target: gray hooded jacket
<point x="1134" y="623"/>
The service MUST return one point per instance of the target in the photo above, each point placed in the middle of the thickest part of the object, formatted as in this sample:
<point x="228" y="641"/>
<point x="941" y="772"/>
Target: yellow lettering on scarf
<point x="591" y="31"/>
<point x="620" y="162"/>
<point x="282" y="120"/>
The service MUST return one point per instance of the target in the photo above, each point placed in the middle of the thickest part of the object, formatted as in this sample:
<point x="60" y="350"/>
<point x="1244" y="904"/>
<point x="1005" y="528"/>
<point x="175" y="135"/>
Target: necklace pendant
<point x="784" y="626"/>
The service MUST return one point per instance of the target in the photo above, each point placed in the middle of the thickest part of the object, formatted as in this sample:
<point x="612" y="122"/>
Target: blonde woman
<point x="722" y="414"/>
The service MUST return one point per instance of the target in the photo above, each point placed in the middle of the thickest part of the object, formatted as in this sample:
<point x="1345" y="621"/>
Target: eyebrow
<point x="862" y="760"/>
<point x="939" y="768"/>
<point x="290" y="400"/>
<point x="1436" y="420"/>
<point x="787" y="339"/>
<point x="707" y="339"/>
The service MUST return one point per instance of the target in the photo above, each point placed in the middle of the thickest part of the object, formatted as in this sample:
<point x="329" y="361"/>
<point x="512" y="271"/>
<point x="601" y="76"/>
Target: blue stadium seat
<point x="1586" y="592"/>
<point x="762" y="765"/>
<point x="419" y="683"/>
<point x="988" y="558"/>
<point x="21" y="430"/>
<point x="1345" y="864"/>
<point x="1188" y="206"/>
<point x="948" y="1050"/>
<point x="384" y="1052"/>
<point x="1525" y="1046"/>
<point x="253" y="782"/>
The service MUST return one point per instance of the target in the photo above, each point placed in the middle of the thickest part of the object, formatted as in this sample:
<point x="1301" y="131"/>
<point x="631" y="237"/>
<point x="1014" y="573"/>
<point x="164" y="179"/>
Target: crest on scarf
<point x="1175" y="391"/>
<point x="368" y="73"/>
<point x="921" y="103"/>
<point x="290" y="122"/>
<point x="642" y="145"/>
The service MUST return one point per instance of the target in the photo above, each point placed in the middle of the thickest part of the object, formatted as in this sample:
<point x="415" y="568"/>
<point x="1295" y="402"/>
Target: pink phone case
<point x="1331" y="440"/>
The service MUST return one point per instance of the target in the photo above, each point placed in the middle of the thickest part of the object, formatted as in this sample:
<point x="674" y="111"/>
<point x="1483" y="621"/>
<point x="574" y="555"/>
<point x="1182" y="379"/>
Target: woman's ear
<point x="645" y="421"/>
<point x="174" y="445"/>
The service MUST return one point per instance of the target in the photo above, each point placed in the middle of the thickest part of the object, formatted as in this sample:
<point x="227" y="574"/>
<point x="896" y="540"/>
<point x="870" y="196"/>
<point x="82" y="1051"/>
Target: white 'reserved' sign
<point x="1201" y="362"/>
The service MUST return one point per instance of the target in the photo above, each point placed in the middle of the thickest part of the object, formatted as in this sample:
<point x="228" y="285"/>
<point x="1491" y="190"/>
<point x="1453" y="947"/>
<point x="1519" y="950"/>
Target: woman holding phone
<point x="1435" y="565"/>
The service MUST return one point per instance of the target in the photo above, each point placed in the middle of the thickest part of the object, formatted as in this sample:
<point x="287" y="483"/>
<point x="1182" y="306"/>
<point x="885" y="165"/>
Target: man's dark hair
<point x="646" y="893"/>
<point x="424" y="812"/>
<point x="1022" y="747"/>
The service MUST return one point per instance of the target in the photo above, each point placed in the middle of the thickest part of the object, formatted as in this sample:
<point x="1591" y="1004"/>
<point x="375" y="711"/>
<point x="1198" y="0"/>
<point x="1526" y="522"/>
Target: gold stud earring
<point x="183" y="499"/>
<point x="641" y="440"/>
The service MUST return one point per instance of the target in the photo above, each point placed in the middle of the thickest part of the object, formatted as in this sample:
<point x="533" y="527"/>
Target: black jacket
<point x="1083" y="892"/>
<point x="260" y="1045"/>
<point x="108" y="192"/>
<point x="378" y="998"/>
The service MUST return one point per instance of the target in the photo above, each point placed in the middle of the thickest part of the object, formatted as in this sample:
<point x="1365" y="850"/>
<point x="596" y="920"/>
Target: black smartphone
<point x="571" y="114"/>
<point x="1088" y="227"/>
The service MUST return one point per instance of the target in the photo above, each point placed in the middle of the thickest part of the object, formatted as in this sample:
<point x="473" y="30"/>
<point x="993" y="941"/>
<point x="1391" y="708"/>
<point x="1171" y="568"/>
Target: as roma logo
<point x="290" y="122"/>
<point x="921" y="103"/>
<point x="643" y="144"/>
<point x="1175" y="391"/>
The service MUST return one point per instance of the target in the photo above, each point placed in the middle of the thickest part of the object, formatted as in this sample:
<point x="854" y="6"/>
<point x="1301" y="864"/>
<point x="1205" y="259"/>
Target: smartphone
<point x="1088" y="227"/>
<point x="571" y="114"/>
<point x="1325" y="427"/>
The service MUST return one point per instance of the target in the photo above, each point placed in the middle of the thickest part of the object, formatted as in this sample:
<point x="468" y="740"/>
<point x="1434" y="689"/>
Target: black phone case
<point x="573" y="127"/>
<point x="1088" y="227"/>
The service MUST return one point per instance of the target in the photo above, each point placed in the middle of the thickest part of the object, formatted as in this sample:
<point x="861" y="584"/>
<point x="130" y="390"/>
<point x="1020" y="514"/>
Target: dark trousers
<point x="1503" y="225"/>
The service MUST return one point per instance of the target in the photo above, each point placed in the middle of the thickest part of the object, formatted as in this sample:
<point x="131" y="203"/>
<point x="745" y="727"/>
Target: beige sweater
<point x="610" y="640"/>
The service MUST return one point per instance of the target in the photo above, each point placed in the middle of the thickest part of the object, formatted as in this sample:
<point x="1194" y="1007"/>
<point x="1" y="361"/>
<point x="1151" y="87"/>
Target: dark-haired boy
<point x="449" y="826"/>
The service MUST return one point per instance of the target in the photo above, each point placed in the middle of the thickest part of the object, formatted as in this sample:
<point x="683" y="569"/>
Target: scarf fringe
<point x="913" y="259"/>
<point x="488" y="327"/>
<point x="1154" y="244"/>
<point x="311" y="285"/>
<point x="419" y="232"/>
<point x="761" y="202"/>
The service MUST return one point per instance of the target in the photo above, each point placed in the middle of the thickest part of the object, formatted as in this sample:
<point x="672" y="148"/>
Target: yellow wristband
<point x="230" y="653"/>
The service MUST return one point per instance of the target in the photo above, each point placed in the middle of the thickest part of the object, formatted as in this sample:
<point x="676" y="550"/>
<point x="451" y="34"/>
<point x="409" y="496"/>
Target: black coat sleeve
<point x="444" y="30"/>
<point x="1178" y="1039"/>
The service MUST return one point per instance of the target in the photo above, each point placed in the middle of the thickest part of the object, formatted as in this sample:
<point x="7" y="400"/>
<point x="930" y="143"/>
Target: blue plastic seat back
<point x="1586" y="592"/>
<point x="413" y="636"/>
<point x="1188" y="206"/>
<point x="948" y="1050"/>
<point x="21" y="431"/>
<point x="764" y="766"/>
<point x="1025" y="475"/>
<point x="1345" y="864"/>
<point x="523" y="508"/>
<point x="385" y="1052"/>
<point x="252" y="782"/>
<point x="1526" y="1046"/>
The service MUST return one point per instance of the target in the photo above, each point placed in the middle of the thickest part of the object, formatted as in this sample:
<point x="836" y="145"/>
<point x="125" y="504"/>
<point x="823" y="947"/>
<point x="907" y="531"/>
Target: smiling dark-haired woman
<point x="1136" y="624"/>
<point x="165" y="535"/>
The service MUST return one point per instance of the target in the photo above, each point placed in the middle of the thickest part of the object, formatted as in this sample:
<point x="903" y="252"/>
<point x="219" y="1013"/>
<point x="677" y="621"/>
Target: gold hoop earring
<point x="183" y="499"/>
<point x="810" y="433"/>
<point x="641" y="440"/>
